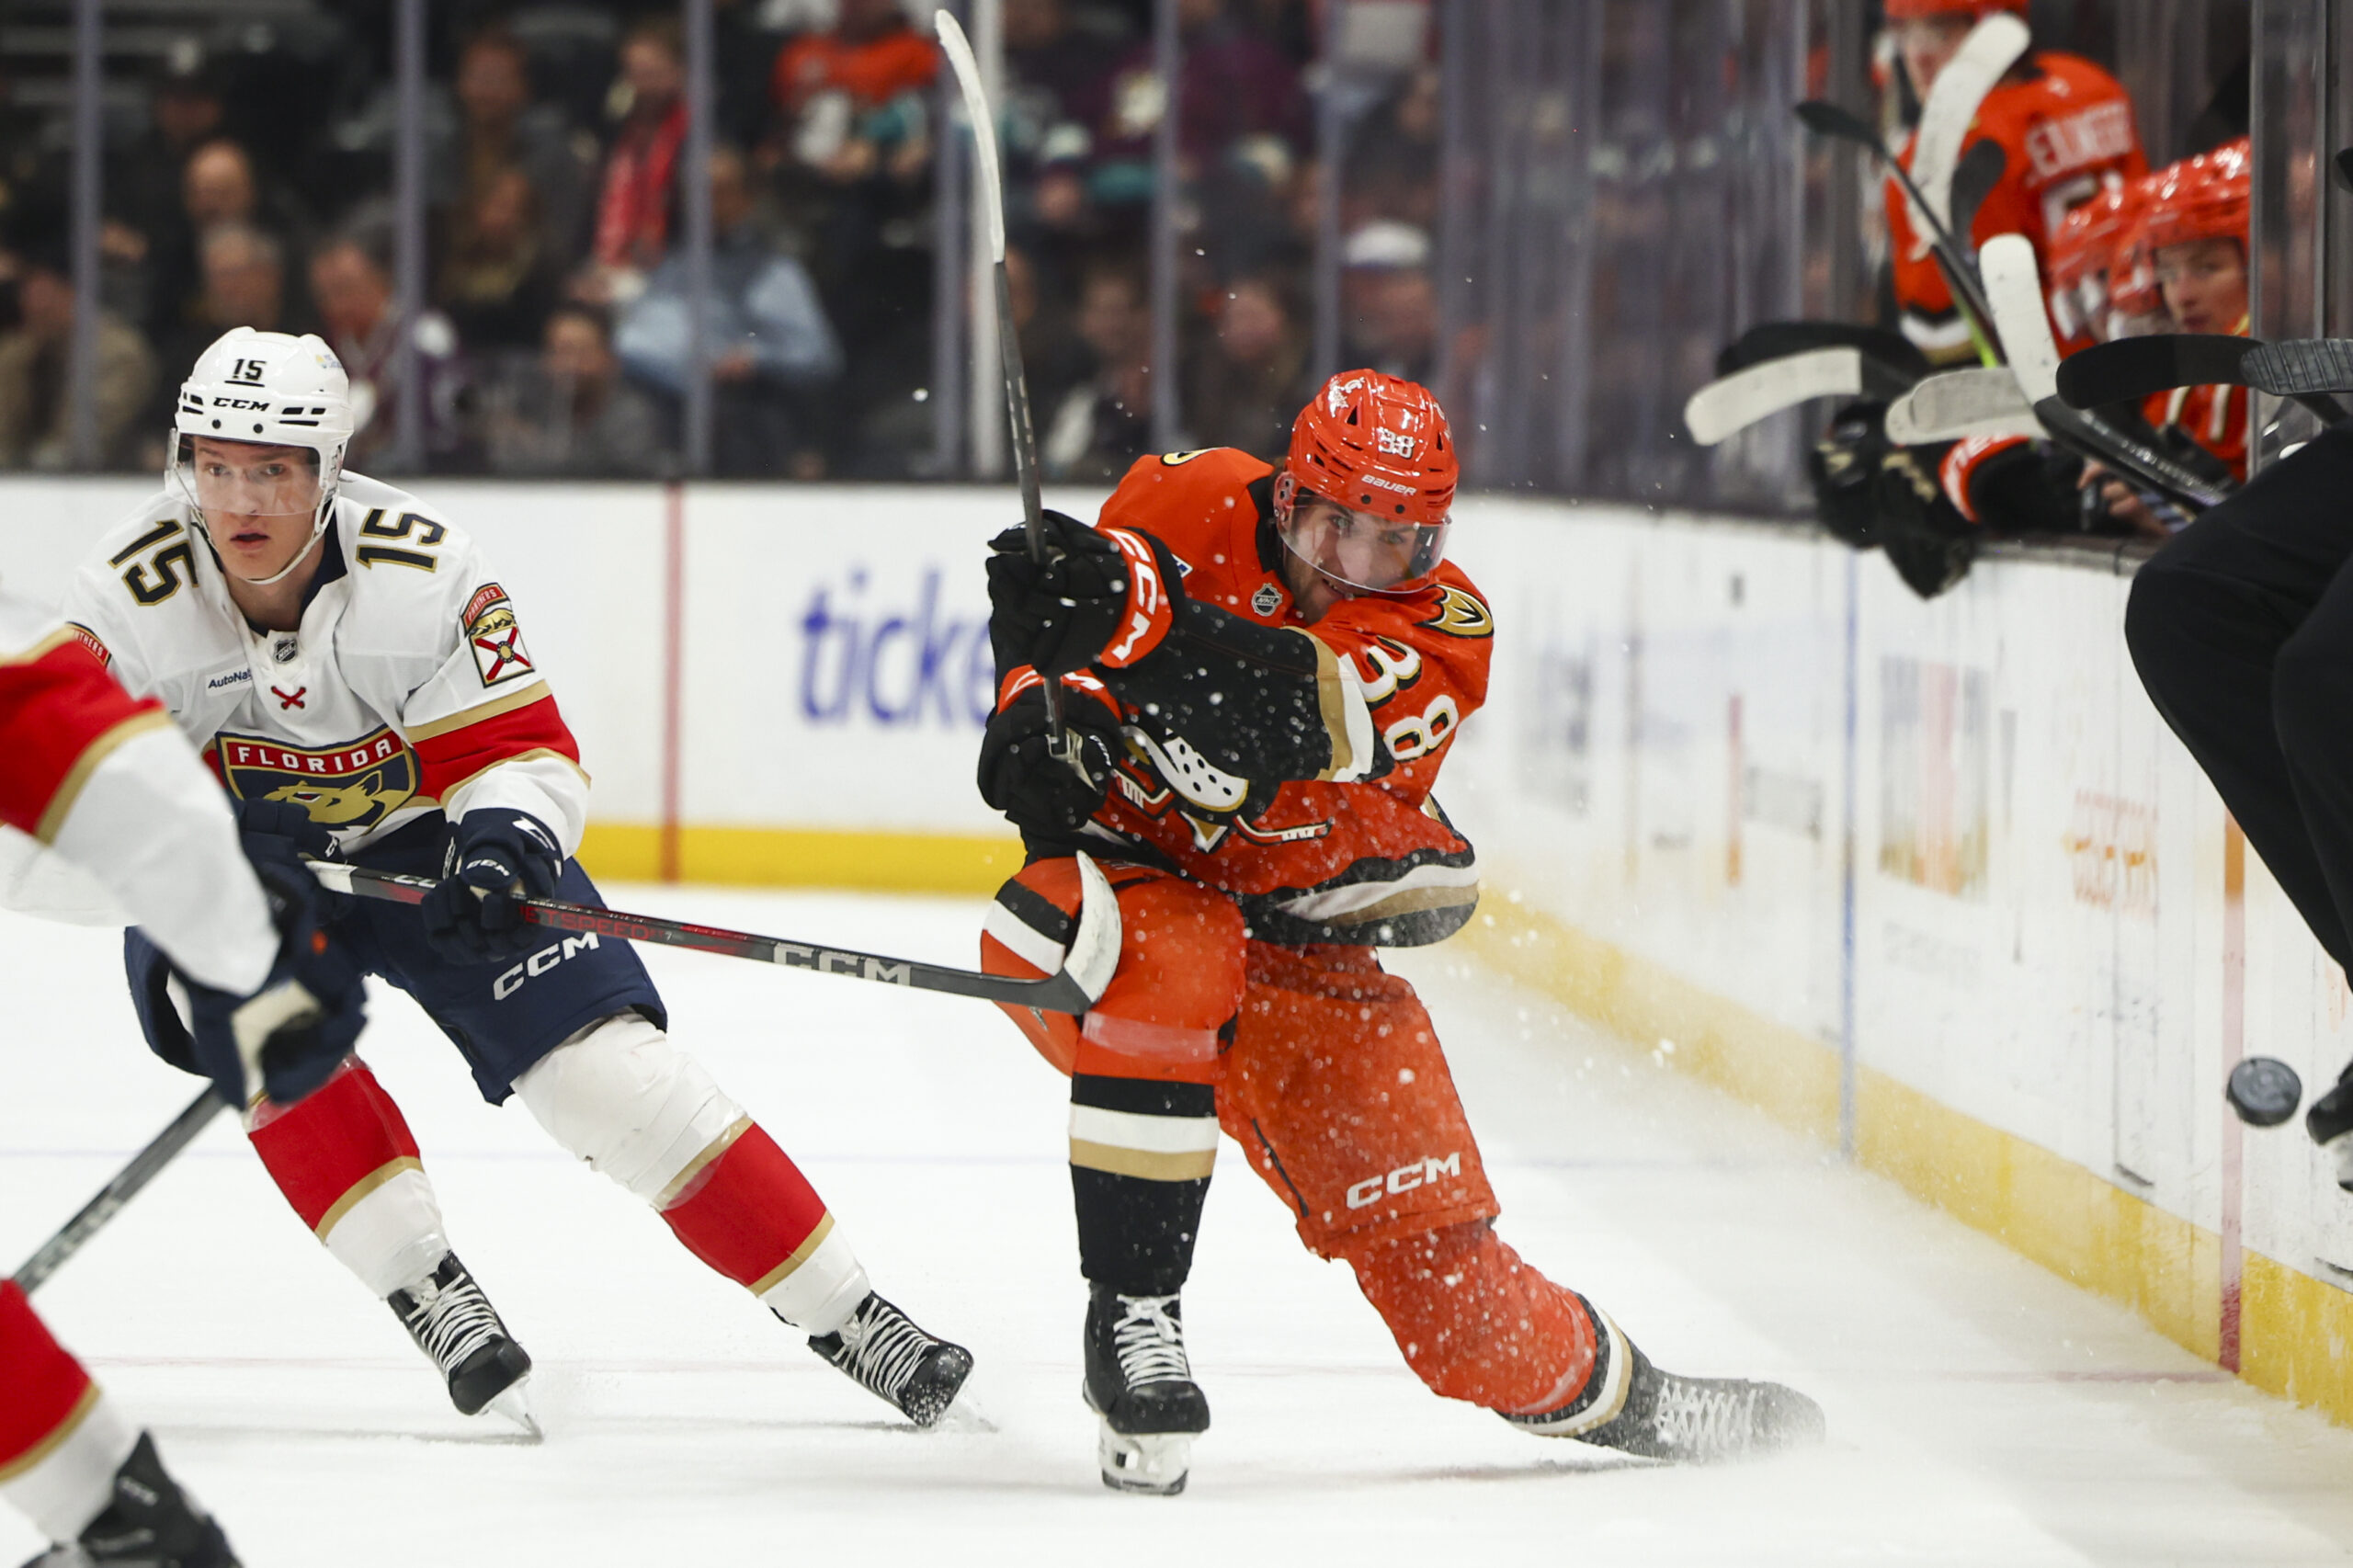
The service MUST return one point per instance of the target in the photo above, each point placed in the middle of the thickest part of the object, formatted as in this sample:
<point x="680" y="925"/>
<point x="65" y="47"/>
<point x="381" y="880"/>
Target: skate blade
<point x="514" y="1403"/>
<point x="1154" y="1463"/>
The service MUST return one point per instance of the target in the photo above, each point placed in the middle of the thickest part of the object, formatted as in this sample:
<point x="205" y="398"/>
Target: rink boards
<point x="1930" y="882"/>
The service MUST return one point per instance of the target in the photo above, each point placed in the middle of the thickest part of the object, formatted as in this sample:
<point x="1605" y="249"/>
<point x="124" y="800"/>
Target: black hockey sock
<point x="1140" y="1152"/>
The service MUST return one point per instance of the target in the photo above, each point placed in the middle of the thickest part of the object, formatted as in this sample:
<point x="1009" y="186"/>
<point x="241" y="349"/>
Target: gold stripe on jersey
<point x="456" y="784"/>
<point x="42" y="649"/>
<point x="33" y="1458"/>
<point x="686" y="1178"/>
<point x="801" y="1255"/>
<point x="69" y="788"/>
<point x="1332" y="696"/>
<point x="479" y="712"/>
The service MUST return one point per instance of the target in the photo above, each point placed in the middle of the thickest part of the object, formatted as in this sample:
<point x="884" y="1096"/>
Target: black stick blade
<point x="2302" y="368"/>
<point x="2264" y="1090"/>
<point x="2132" y="367"/>
<point x="2343" y="165"/>
<point x="1826" y="118"/>
<point x="1974" y="179"/>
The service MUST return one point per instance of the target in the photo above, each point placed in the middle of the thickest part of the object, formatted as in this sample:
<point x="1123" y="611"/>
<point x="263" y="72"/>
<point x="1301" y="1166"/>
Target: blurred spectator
<point x="244" y="272"/>
<point x="633" y="203"/>
<point x="36" y="407"/>
<point x="1393" y="158"/>
<point x="146" y="225"/>
<point x="1252" y="379"/>
<point x="218" y="185"/>
<point x="767" y="334"/>
<point x="351" y="284"/>
<point x="1237" y="90"/>
<point x="1052" y="357"/>
<point x="1389" y="302"/>
<point x="1105" y="423"/>
<point x="499" y="278"/>
<point x="501" y="129"/>
<point x="570" y="413"/>
<point x="852" y="98"/>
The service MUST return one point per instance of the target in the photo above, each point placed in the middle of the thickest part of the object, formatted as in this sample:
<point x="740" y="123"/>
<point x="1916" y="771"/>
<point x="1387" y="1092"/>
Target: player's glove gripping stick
<point x="1086" y="969"/>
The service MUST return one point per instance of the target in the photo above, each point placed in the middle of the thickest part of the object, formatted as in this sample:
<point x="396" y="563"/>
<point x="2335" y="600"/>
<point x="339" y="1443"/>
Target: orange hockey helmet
<point x="2090" y="237"/>
<point x="1913" y="10"/>
<point x="2204" y="198"/>
<point x="1378" y="447"/>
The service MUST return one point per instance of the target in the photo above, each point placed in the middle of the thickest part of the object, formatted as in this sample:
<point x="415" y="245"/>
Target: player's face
<point x="1927" y="45"/>
<point x="2205" y="285"/>
<point x="1336" y="553"/>
<point x="258" y="502"/>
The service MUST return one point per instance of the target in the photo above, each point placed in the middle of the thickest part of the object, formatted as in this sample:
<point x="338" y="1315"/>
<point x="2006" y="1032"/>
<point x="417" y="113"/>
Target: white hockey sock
<point x="72" y="1481"/>
<point x="392" y="1237"/>
<point x="818" y="1295"/>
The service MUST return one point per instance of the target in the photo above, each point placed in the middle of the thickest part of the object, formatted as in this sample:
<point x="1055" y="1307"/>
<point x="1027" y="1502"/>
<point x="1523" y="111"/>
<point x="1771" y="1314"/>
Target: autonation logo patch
<point x="869" y="654"/>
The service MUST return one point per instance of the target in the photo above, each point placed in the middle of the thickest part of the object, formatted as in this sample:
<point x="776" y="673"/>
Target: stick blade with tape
<point x="2264" y="1090"/>
<point x="1958" y="404"/>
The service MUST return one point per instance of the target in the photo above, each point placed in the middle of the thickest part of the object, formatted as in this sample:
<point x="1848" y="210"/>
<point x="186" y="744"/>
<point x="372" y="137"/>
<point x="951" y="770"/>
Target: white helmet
<point x="267" y="389"/>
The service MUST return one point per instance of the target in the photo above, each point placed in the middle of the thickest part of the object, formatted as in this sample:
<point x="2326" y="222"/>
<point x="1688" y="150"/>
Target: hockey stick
<point x="1982" y="168"/>
<point x="2130" y="369"/>
<point x="126" y="1184"/>
<point x="989" y="182"/>
<point x="1993" y="46"/>
<point x="2014" y="281"/>
<point x="1824" y="118"/>
<point x="1780" y="339"/>
<point x="1958" y="404"/>
<point x="1732" y="403"/>
<point x="1086" y="969"/>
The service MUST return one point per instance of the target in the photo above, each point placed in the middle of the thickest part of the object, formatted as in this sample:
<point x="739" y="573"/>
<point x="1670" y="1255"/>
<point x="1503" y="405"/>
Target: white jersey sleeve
<point x="103" y="782"/>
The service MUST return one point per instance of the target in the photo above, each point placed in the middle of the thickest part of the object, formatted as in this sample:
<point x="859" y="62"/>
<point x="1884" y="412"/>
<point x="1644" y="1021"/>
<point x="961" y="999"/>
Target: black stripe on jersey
<point x="1037" y="911"/>
<point x="1142" y="1097"/>
<point x="155" y="535"/>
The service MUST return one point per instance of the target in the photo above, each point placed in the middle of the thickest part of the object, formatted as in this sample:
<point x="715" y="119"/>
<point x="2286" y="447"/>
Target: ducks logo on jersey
<point x="356" y="784"/>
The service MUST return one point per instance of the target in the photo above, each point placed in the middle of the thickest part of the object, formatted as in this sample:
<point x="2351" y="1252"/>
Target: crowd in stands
<point x="256" y="189"/>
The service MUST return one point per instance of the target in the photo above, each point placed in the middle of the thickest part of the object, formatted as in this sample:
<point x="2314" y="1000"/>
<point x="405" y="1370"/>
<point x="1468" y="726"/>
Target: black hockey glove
<point x="280" y="832"/>
<point x="1037" y="791"/>
<point x="497" y="857"/>
<point x="1923" y="535"/>
<point x="286" y="1038"/>
<point x="1844" y="466"/>
<point x="1060" y="614"/>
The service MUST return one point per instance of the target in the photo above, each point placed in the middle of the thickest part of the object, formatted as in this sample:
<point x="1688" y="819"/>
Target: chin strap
<point x="318" y="528"/>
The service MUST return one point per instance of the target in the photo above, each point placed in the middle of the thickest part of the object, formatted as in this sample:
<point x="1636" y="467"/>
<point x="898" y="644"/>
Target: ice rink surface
<point x="1980" y="1411"/>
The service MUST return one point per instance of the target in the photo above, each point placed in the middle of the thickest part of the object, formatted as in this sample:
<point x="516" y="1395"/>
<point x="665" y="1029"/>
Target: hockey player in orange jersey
<point x="2065" y="125"/>
<point x="1262" y="674"/>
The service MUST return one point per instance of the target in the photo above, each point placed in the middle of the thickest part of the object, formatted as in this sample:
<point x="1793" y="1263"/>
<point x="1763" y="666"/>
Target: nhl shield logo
<point x="1268" y="599"/>
<point x="356" y="784"/>
<point x="496" y="640"/>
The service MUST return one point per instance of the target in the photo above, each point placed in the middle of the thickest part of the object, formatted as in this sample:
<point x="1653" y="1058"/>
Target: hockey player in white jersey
<point x="99" y="795"/>
<point x="360" y="682"/>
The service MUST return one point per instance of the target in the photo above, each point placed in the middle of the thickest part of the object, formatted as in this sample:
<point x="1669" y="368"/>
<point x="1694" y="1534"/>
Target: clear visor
<point x="240" y="479"/>
<point x="1364" y="549"/>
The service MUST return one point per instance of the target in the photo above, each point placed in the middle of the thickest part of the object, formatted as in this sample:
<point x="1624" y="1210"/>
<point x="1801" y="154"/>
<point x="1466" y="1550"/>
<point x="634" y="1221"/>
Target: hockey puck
<point x="2264" y="1090"/>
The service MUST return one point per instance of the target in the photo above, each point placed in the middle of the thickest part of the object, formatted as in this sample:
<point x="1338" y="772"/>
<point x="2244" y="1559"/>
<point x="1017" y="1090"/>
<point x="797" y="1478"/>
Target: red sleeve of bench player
<point x="60" y="716"/>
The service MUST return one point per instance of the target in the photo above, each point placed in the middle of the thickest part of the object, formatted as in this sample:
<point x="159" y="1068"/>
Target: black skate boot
<point x="1140" y="1382"/>
<point x="1630" y="1405"/>
<point x="2329" y="1122"/>
<point x="148" y="1523"/>
<point x="452" y="1321"/>
<point x="883" y="1351"/>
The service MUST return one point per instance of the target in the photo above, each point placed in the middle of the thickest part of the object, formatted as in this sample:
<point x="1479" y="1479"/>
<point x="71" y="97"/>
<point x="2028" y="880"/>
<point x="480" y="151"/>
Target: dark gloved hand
<point x="497" y="857"/>
<point x="1065" y="612"/>
<point x="287" y="1037"/>
<point x="1021" y="777"/>
<point x="1844" y="467"/>
<point x="281" y="833"/>
<point x="1922" y="534"/>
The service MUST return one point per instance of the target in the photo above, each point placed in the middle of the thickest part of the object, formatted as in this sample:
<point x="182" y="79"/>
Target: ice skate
<point x="886" y="1353"/>
<point x="148" y="1523"/>
<point x="454" y="1324"/>
<point x="1632" y="1406"/>
<point x="1138" y="1382"/>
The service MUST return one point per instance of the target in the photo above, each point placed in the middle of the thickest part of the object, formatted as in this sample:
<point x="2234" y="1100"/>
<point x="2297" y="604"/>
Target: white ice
<point x="1980" y="1411"/>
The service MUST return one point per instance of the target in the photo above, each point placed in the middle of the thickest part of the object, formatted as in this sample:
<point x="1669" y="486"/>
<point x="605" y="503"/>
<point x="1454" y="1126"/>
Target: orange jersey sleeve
<point x="2215" y="417"/>
<point x="2066" y="127"/>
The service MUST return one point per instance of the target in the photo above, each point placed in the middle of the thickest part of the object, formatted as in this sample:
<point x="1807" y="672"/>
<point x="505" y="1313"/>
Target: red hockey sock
<point x="750" y="1213"/>
<point x="47" y="1390"/>
<point x="1477" y="1324"/>
<point x="331" y="1150"/>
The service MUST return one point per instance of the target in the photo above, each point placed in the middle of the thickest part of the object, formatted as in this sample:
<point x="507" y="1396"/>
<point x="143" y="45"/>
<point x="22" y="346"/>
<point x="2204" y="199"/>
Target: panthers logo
<point x="352" y="786"/>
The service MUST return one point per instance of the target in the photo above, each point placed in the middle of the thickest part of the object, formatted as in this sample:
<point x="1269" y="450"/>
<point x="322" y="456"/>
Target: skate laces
<point x="451" y="1319"/>
<point x="1149" y="1340"/>
<point x="881" y="1347"/>
<point x="1705" y="1418"/>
